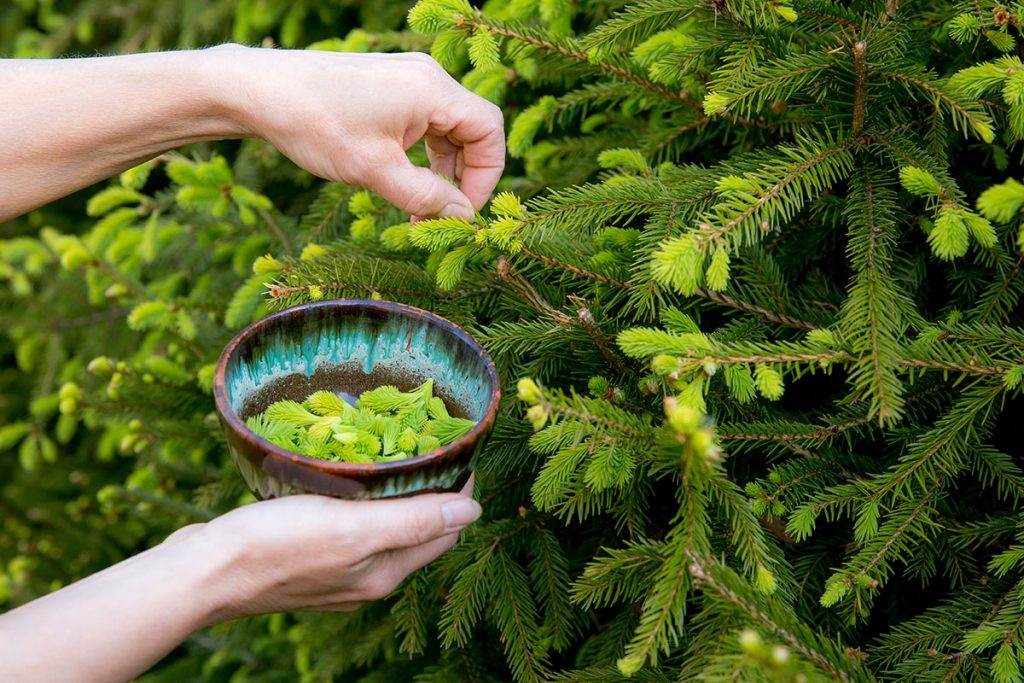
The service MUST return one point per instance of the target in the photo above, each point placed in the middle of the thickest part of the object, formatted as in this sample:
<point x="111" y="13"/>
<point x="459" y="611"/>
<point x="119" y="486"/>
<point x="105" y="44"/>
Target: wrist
<point x="224" y="76"/>
<point x="213" y="563"/>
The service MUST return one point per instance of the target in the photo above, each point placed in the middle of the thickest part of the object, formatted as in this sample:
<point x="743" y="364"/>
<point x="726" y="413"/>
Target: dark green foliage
<point x="761" y="263"/>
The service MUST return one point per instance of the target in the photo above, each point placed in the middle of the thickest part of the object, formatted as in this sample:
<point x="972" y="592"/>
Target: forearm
<point x="67" y="123"/>
<point x="114" y="625"/>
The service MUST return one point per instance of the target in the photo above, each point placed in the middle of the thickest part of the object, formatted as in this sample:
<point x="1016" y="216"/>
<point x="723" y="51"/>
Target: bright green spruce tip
<point x="384" y="424"/>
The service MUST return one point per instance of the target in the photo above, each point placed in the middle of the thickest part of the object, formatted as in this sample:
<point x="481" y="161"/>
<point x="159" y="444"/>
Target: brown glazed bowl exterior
<point x="359" y="344"/>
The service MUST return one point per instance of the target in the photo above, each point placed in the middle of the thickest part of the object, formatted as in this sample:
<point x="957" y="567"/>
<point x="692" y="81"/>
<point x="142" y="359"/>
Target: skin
<point x="66" y="124"/>
<point x="295" y="553"/>
<point x="343" y="117"/>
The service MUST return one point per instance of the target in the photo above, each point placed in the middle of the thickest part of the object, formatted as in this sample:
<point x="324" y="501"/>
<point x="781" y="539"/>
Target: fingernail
<point x="459" y="211"/>
<point x="458" y="513"/>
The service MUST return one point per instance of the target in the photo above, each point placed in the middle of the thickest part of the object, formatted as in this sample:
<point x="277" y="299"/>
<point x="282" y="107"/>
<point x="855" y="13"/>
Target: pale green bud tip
<point x="764" y="580"/>
<point x="750" y="641"/>
<point x="316" y="293"/>
<point x="528" y="390"/>
<point x="780" y="655"/>
<point x="75" y="258"/>
<point x="538" y="416"/>
<point x="507" y="204"/>
<point x="703" y="442"/>
<point x="115" y="291"/>
<point x="266" y="264"/>
<point x="664" y="364"/>
<point x="786" y="12"/>
<point x="69" y="390"/>
<point x="312" y="251"/>
<point x="68" y="406"/>
<point x="715" y="103"/>
<point x="630" y="665"/>
<point x="682" y="418"/>
<point x="598" y="386"/>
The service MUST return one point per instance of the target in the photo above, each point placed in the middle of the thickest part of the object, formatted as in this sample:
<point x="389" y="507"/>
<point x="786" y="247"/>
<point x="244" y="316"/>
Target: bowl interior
<point x="350" y="346"/>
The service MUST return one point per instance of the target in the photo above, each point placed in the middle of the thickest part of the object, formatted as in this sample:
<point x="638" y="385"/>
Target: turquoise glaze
<point x="352" y="346"/>
<point x="414" y="348"/>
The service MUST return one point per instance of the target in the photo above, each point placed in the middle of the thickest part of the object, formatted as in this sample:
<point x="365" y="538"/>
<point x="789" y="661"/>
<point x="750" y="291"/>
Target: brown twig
<point x="860" y="94"/>
<point x="585" y="319"/>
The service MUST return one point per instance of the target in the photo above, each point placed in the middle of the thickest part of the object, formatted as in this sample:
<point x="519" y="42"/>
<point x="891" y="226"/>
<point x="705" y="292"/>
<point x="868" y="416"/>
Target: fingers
<point x="477" y="126"/>
<point x="417" y="190"/>
<point x="443" y="155"/>
<point x="405" y="561"/>
<point x="416" y="521"/>
<point x="467" y="488"/>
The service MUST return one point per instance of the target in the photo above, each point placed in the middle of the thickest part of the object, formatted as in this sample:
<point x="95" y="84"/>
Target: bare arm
<point x="301" y="552"/>
<point x="67" y="123"/>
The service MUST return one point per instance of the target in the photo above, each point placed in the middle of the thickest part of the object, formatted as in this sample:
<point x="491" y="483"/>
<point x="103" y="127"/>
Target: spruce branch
<point x="821" y="164"/>
<point x="572" y="52"/>
<point x="965" y="116"/>
<point x="938" y="454"/>
<point x="584" y="416"/>
<point x="874" y="312"/>
<point x="812" y="10"/>
<point x="716" y="297"/>
<point x="575" y="270"/>
<point x="721" y="582"/>
<point x="796" y="433"/>
<point x="569" y="49"/>
<point x="760" y="311"/>
<point x="585" y="319"/>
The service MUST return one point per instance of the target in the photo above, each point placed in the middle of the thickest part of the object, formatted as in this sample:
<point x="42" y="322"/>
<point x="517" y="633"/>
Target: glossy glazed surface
<point x="359" y="344"/>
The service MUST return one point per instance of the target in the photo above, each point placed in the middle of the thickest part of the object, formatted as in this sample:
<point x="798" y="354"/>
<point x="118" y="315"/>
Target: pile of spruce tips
<point x="384" y="424"/>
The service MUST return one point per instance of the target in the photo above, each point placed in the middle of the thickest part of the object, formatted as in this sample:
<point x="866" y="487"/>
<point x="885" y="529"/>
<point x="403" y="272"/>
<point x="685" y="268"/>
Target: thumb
<point x="409" y="522"/>
<point x="417" y="190"/>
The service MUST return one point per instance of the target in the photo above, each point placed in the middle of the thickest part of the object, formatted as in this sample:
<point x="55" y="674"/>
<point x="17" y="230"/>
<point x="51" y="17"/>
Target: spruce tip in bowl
<point x="350" y="346"/>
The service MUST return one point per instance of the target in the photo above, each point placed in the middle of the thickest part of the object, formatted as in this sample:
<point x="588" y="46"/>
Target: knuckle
<point x="497" y="114"/>
<point x="424" y="58"/>
<point x="426" y="67"/>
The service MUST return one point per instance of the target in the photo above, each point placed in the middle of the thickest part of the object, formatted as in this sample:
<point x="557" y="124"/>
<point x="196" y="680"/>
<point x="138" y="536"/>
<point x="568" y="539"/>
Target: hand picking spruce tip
<point x="384" y="424"/>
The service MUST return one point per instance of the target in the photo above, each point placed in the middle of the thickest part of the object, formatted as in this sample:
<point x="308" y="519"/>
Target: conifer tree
<point x="753" y="281"/>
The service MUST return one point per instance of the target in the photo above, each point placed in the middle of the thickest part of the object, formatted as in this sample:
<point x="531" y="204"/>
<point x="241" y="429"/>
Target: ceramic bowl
<point x="349" y="346"/>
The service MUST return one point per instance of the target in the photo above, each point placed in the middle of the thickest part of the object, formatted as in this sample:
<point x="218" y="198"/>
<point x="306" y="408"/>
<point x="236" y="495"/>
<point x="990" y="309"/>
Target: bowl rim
<point x="235" y="422"/>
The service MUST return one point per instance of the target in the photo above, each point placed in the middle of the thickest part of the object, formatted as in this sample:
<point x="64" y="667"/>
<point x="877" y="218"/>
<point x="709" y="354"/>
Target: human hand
<point x="350" y="117"/>
<point x="317" y="553"/>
